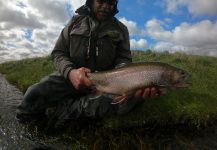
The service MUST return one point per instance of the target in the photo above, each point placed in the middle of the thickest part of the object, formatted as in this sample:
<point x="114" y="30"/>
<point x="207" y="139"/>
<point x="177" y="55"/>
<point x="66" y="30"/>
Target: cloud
<point x="44" y="19"/>
<point x="134" y="30"/>
<point x="141" y="44"/>
<point x="30" y="28"/>
<point x="12" y="17"/>
<point x="155" y="29"/>
<point x="53" y="10"/>
<point x="172" y="5"/>
<point x="203" y="7"/>
<point x="198" y="38"/>
<point x="77" y="3"/>
<point x="132" y="27"/>
<point x="195" y="7"/>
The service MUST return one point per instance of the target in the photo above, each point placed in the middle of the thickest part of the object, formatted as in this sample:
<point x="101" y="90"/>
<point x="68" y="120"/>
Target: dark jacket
<point x="85" y="42"/>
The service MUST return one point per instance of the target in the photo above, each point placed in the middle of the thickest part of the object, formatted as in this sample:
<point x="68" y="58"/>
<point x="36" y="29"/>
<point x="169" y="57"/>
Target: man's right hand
<point x="78" y="78"/>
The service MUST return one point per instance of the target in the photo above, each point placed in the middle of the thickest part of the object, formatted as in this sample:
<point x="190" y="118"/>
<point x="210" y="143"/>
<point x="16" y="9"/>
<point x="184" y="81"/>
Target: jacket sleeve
<point x="123" y="50"/>
<point x="60" y="54"/>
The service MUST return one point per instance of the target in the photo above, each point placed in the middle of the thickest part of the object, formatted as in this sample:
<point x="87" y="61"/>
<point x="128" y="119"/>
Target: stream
<point x="16" y="136"/>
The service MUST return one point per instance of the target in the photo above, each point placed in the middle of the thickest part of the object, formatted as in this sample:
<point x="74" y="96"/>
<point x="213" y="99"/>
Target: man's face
<point x="103" y="9"/>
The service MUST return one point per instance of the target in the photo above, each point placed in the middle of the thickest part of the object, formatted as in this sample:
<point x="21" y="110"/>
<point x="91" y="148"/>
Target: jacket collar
<point x="84" y="10"/>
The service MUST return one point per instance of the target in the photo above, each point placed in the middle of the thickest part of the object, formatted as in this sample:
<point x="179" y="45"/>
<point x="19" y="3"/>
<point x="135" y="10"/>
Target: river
<point x="16" y="136"/>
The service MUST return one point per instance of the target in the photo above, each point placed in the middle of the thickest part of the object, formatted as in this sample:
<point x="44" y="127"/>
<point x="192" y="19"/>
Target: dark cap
<point x="88" y="2"/>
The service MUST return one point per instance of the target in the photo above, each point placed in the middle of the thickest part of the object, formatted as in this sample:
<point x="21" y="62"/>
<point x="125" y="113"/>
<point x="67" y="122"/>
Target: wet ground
<point x="15" y="136"/>
<point x="10" y="131"/>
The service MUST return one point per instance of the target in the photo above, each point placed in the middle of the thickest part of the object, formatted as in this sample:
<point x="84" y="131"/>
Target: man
<point x="94" y="40"/>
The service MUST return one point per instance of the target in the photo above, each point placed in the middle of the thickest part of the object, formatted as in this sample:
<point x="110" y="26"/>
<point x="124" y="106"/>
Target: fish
<point x="124" y="81"/>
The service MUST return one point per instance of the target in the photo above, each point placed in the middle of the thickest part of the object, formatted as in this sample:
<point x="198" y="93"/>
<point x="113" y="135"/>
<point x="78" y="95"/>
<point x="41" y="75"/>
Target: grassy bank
<point x="26" y="72"/>
<point x="195" y="106"/>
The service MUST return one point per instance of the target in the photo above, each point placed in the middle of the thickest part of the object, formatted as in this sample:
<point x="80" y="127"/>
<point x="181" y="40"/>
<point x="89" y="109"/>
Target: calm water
<point x="15" y="136"/>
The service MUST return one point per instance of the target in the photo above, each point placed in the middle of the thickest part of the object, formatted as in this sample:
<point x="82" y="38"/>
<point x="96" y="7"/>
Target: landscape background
<point x="183" y="119"/>
<point x="30" y="28"/>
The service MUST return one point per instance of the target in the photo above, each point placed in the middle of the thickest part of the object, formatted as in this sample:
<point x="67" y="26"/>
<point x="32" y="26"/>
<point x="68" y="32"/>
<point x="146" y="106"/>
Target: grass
<point x="196" y="106"/>
<point x="26" y="72"/>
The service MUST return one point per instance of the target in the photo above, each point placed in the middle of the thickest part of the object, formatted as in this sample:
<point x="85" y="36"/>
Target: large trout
<point x="124" y="81"/>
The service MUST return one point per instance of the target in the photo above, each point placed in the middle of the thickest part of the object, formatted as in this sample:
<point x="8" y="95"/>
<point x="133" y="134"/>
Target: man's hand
<point x="78" y="78"/>
<point x="150" y="92"/>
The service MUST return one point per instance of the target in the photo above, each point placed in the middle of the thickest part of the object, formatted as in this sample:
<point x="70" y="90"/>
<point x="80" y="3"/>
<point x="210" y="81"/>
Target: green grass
<point x="26" y="72"/>
<point x="196" y="106"/>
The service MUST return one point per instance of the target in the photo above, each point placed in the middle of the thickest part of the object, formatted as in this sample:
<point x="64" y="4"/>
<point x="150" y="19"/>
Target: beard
<point x="103" y="14"/>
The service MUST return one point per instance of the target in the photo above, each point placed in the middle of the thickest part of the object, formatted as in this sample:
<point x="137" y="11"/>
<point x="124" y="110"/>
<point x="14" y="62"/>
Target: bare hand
<point x="78" y="78"/>
<point x="150" y="92"/>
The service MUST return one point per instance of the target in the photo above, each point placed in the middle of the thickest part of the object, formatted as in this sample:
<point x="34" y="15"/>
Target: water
<point x="15" y="136"/>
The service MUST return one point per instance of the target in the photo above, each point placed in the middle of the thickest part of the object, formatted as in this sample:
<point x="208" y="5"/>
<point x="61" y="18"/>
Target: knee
<point x="99" y="107"/>
<point x="30" y="98"/>
<point x="32" y="92"/>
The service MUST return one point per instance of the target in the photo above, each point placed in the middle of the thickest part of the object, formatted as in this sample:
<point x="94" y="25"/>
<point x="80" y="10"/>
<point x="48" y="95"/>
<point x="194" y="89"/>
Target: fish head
<point x="177" y="77"/>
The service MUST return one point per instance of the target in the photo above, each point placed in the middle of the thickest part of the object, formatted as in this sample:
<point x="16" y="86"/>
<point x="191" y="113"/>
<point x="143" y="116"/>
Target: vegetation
<point x="26" y="72"/>
<point x="194" y="107"/>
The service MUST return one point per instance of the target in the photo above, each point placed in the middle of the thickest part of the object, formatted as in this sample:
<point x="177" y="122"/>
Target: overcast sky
<point x="29" y="28"/>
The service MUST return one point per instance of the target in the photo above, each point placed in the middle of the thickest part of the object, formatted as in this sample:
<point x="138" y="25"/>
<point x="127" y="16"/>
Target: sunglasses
<point x="110" y="2"/>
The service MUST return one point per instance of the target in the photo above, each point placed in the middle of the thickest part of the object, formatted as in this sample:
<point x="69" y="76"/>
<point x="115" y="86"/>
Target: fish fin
<point x="162" y="90"/>
<point x="119" y="99"/>
<point x="161" y="86"/>
<point x="165" y="87"/>
<point x="95" y="94"/>
<point x="183" y="85"/>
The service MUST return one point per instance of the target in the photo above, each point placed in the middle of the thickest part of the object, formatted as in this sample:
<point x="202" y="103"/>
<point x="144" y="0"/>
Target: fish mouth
<point x="183" y="83"/>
